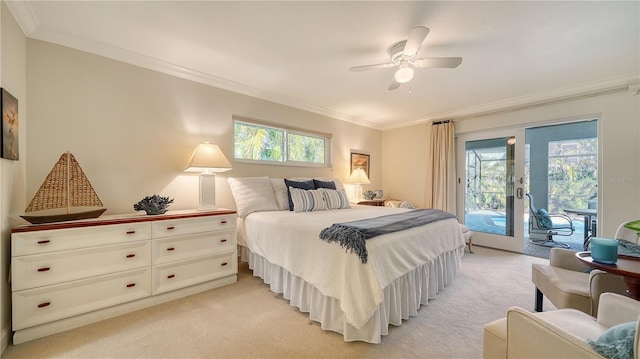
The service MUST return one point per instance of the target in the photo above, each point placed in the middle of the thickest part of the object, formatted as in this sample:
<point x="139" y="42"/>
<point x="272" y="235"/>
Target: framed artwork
<point x="360" y="160"/>
<point x="9" y="106"/>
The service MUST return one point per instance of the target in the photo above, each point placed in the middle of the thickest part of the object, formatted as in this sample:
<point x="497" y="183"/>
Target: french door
<point x="490" y="168"/>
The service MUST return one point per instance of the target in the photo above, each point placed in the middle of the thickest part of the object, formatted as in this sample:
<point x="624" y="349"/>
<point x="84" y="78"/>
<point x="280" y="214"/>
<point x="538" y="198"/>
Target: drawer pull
<point x="130" y="255"/>
<point x="43" y="269"/>
<point x="171" y="276"/>
<point x="223" y="241"/>
<point x="45" y="304"/>
<point x="223" y="222"/>
<point x="223" y="264"/>
<point x="170" y="249"/>
<point x="171" y="228"/>
<point x="131" y="285"/>
<point x="131" y="232"/>
<point x="44" y="241"/>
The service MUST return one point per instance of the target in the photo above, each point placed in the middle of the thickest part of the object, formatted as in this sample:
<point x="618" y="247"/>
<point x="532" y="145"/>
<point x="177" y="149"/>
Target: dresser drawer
<point x="172" y="276"/>
<point x="35" y="242"/>
<point x="179" y="227"/>
<point x="42" y="305"/>
<point x="51" y="268"/>
<point x="195" y="245"/>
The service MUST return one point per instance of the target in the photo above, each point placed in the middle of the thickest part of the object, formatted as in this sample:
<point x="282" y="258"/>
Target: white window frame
<point x="287" y="130"/>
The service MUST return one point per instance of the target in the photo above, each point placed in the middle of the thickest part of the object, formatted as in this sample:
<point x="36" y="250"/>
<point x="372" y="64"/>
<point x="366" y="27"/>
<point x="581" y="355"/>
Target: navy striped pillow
<point x="307" y="200"/>
<point x="335" y="199"/>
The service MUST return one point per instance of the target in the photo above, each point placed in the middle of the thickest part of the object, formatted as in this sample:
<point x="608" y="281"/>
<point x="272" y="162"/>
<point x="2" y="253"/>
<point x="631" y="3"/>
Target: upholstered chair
<point x="560" y="333"/>
<point x="566" y="282"/>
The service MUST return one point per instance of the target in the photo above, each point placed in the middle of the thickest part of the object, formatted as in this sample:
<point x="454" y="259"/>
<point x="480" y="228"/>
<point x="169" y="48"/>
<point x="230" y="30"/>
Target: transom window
<point x="266" y="143"/>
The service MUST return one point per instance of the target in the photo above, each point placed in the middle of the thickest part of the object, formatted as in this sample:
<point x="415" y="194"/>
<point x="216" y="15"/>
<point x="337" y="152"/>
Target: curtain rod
<point x="441" y="122"/>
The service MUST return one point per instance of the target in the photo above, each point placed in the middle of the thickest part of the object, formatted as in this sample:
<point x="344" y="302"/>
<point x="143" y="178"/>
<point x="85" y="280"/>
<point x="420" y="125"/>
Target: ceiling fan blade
<point x="415" y="40"/>
<point x="371" y="67"/>
<point x="394" y="85"/>
<point x="447" y="62"/>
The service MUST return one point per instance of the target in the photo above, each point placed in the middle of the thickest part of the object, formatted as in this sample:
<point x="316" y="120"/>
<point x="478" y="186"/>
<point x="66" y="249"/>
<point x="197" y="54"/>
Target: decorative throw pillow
<point x="405" y="204"/>
<point x="335" y="199"/>
<point x="307" y="200"/>
<point x="297" y="184"/>
<point x="616" y="342"/>
<point x="324" y="184"/>
<point x="544" y="219"/>
<point x="252" y="194"/>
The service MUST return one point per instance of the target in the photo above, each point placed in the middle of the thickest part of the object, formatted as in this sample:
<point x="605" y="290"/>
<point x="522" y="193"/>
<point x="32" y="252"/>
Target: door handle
<point x="519" y="192"/>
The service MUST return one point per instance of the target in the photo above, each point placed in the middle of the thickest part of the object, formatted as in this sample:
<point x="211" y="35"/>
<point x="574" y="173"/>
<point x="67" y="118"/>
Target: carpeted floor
<point x="246" y="320"/>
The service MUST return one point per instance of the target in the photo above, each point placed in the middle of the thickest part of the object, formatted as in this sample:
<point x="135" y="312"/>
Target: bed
<point x="358" y="299"/>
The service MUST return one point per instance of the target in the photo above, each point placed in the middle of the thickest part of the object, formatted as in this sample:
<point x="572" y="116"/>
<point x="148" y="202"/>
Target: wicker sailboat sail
<point x="65" y="188"/>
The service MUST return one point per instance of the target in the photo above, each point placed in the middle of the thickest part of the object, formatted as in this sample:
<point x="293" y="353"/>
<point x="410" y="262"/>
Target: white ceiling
<point x="299" y="53"/>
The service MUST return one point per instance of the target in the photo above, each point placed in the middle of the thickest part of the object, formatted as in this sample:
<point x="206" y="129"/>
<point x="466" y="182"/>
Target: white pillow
<point x="253" y="194"/>
<point x="307" y="200"/>
<point x="335" y="199"/>
<point x="280" y="190"/>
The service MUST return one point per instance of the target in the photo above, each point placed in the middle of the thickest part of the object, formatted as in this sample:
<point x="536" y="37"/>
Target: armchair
<point x="547" y="225"/>
<point x="560" y="333"/>
<point x="567" y="284"/>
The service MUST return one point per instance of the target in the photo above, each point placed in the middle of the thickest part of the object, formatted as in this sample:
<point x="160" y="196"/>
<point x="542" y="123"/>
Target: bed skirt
<point x="402" y="298"/>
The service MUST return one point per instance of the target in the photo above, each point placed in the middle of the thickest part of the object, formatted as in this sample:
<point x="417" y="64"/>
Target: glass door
<point x="490" y="188"/>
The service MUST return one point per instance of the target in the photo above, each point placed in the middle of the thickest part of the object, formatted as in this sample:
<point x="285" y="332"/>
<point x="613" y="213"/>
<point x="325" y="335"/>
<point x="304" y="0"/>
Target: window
<point x="257" y="141"/>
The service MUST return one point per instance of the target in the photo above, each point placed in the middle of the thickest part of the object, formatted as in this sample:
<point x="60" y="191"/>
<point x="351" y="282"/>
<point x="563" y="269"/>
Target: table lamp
<point x="358" y="177"/>
<point x="208" y="159"/>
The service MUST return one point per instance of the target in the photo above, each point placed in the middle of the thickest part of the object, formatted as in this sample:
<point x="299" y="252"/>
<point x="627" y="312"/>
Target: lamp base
<point x="207" y="199"/>
<point x="358" y="189"/>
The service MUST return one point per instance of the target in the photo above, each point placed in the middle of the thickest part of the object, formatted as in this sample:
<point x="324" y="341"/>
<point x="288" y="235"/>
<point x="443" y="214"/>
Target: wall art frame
<point x="9" y="125"/>
<point x="360" y="160"/>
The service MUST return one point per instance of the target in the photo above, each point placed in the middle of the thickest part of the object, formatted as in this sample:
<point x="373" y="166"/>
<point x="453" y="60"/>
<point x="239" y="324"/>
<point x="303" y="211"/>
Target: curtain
<point x="440" y="187"/>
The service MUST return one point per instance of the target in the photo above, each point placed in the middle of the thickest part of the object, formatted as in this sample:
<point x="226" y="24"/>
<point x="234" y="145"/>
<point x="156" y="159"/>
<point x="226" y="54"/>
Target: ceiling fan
<point x="403" y="54"/>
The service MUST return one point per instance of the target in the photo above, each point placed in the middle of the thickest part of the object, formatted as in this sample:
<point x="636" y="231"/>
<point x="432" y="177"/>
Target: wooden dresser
<point x="68" y="274"/>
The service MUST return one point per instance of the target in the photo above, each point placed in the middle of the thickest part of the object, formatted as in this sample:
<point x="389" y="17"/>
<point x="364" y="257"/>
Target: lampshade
<point x="208" y="158"/>
<point x="358" y="177"/>
<point x="404" y="73"/>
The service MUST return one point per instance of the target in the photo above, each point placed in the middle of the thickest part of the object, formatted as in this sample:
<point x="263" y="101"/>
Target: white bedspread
<point x="291" y="240"/>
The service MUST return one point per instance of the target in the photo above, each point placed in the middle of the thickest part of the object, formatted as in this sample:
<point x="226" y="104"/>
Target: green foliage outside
<point x="305" y="148"/>
<point x="573" y="173"/>
<point x="262" y="143"/>
<point x="258" y="143"/>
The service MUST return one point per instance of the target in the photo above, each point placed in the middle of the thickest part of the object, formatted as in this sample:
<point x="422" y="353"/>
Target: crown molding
<point x="28" y="22"/>
<point x="570" y="93"/>
<point x="24" y="15"/>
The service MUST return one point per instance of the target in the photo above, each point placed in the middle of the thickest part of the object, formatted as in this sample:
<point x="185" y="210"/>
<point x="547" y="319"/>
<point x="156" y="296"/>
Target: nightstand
<point x="373" y="202"/>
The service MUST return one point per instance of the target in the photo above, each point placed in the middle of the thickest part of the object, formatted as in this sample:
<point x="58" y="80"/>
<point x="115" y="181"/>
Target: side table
<point x="372" y="202"/>
<point x="627" y="266"/>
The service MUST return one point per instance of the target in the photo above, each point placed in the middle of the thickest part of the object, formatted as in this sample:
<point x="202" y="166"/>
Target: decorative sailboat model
<point x="65" y="195"/>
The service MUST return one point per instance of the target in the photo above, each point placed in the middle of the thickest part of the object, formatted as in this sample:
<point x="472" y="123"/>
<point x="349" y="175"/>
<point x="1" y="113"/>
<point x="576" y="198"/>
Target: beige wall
<point x="619" y="163"/>
<point x="133" y="130"/>
<point x="12" y="76"/>
<point x="404" y="158"/>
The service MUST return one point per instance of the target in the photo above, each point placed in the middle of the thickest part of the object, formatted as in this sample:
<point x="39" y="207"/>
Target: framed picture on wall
<point x="360" y="160"/>
<point x="9" y="105"/>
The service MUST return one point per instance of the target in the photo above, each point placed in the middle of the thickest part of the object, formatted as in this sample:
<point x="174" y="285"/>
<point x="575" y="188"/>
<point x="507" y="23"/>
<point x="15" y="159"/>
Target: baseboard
<point x="4" y="337"/>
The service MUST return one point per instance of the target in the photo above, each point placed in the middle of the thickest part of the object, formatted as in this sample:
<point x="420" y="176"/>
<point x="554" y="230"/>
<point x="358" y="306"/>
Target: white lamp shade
<point x="404" y="73"/>
<point x="358" y="176"/>
<point x="208" y="158"/>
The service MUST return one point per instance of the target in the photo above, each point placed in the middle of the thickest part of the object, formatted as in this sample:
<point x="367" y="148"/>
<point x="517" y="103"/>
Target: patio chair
<point x="548" y="225"/>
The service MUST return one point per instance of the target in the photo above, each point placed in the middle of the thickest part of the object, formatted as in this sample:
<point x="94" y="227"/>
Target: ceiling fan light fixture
<point x="404" y="73"/>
